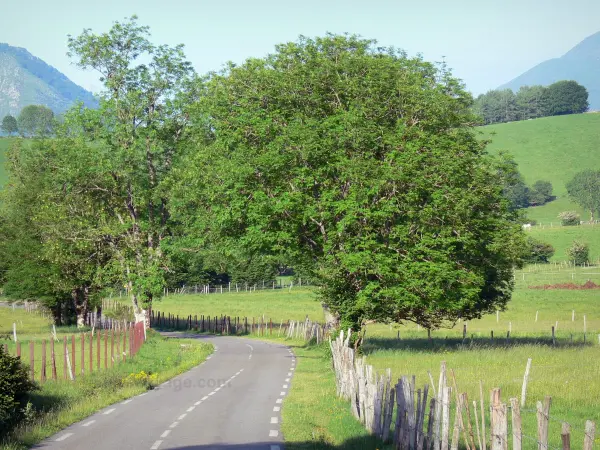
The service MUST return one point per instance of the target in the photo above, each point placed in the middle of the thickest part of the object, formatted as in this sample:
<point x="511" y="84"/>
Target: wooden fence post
<point x="112" y="347"/>
<point x="18" y="349"/>
<point x="31" y="360"/>
<point x="65" y="354"/>
<point x="516" y="424"/>
<point x="73" y="355"/>
<point x="499" y="422"/>
<point x="98" y="350"/>
<point x="91" y="345"/>
<point x="53" y="357"/>
<point x="543" y="417"/>
<point x="565" y="436"/>
<point x="82" y="353"/>
<point x="590" y="433"/>
<point x="105" y="348"/>
<point x="482" y="405"/>
<point x="525" y="379"/>
<point x="43" y="377"/>
<point x="124" y="350"/>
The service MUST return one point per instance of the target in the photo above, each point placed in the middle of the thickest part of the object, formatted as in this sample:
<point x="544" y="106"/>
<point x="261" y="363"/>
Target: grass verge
<point x="59" y="404"/>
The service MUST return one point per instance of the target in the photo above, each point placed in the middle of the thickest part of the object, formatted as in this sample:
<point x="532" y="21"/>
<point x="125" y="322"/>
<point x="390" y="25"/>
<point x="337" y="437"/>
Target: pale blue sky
<point x="486" y="42"/>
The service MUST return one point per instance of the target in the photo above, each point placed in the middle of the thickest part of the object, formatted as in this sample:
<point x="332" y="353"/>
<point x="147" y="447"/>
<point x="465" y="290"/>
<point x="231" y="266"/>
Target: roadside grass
<point x="59" y="404"/>
<point x="4" y="144"/>
<point x="561" y="238"/>
<point x="278" y="305"/>
<point x="29" y="325"/>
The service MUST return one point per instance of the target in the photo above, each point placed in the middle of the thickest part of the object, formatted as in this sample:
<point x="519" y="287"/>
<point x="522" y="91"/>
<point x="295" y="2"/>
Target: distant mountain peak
<point x="25" y="80"/>
<point x="581" y="63"/>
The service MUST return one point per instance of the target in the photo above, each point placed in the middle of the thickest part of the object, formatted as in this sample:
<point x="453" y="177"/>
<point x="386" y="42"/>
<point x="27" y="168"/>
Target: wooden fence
<point x="80" y="354"/>
<point x="227" y="325"/>
<point x="422" y="422"/>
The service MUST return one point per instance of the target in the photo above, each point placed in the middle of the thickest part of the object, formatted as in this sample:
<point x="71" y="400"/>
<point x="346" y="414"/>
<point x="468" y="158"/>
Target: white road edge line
<point x="181" y="417"/>
<point x="279" y="400"/>
<point x="274" y="420"/>
<point x="125" y="402"/>
<point x="88" y="423"/>
<point x="204" y="398"/>
<point x="155" y="445"/>
<point x="282" y="393"/>
<point x="174" y="424"/>
<point x="273" y="433"/>
<point x="198" y="402"/>
<point x="276" y="409"/>
<point x="287" y="380"/>
<point x="191" y="408"/>
<point x="109" y="411"/>
<point x="63" y="437"/>
<point x="285" y="386"/>
<point x="165" y="434"/>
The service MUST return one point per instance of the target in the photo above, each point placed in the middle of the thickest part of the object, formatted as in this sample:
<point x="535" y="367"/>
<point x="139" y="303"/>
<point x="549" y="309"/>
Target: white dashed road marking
<point x="109" y="411"/>
<point x="174" y="424"/>
<point x="285" y="386"/>
<point x="278" y="400"/>
<point x="273" y="433"/>
<point x="88" y="423"/>
<point x="191" y="408"/>
<point x="287" y="380"/>
<point x="165" y="434"/>
<point x="282" y="393"/>
<point x="181" y="417"/>
<point x="198" y="402"/>
<point x="155" y="445"/>
<point x="276" y="409"/>
<point x="125" y="402"/>
<point x="63" y="437"/>
<point x="205" y="397"/>
<point x="274" y="420"/>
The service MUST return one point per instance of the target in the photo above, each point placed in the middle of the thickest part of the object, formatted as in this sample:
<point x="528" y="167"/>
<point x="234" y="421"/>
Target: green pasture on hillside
<point x="552" y="149"/>
<point x="561" y="238"/>
<point x="4" y="144"/>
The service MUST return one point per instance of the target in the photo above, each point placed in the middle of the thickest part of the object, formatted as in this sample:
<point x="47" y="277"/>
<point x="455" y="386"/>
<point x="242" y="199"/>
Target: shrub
<point x="569" y="218"/>
<point x="579" y="253"/>
<point x="538" y="251"/>
<point x="14" y="389"/>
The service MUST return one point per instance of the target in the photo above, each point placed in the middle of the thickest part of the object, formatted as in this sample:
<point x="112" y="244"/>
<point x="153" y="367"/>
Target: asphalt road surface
<point x="231" y="401"/>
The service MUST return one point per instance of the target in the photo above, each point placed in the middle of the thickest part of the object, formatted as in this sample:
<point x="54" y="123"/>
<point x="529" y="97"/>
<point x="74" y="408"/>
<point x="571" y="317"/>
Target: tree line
<point x="358" y="166"/>
<point x="532" y="102"/>
<point x="33" y="120"/>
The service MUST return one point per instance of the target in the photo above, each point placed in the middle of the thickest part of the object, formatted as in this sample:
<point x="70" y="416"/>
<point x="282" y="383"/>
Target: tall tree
<point x="584" y="189"/>
<point x="9" y="125"/>
<point x="530" y="102"/>
<point x="139" y="124"/>
<point x="36" y="121"/>
<point x="360" y="163"/>
<point x="566" y="97"/>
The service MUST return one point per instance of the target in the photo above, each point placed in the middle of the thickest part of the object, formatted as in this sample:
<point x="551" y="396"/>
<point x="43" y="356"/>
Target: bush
<point x="14" y="389"/>
<point x="540" y="193"/>
<point x="569" y="218"/>
<point x="579" y="253"/>
<point x="538" y="251"/>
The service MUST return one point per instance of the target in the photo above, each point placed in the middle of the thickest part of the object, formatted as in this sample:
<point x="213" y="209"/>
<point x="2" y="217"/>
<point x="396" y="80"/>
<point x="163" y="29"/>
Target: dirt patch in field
<point x="568" y="286"/>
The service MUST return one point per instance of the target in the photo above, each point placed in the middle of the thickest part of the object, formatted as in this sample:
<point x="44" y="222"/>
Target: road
<point x="231" y="401"/>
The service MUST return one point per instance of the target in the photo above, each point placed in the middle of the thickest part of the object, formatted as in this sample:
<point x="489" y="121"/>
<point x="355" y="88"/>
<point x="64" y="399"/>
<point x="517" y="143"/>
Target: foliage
<point x="579" y="252"/>
<point x="540" y="193"/>
<point x="14" y="388"/>
<point x="569" y="218"/>
<point x="9" y="125"/>
<point x="566" y="97"/>
<point x="363" y="162"/>
<point x="538" y="251"/>
<point x="36" y="121"/>
<point x="584" y="189"/>
<point x="531" y="102"/>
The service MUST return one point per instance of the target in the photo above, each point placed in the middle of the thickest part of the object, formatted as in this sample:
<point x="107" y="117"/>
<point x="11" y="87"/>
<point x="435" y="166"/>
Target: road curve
<point x="231" y="401"/>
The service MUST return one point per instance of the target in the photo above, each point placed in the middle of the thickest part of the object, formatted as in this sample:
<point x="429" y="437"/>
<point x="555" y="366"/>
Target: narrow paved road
<point x="231" y="401"/>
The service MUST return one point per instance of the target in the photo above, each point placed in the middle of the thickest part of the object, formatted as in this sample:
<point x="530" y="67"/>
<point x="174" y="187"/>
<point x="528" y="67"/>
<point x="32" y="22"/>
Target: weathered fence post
<point x="565" y="436"/>
<point x="543" y="417"/>
<point x="590" y="433"/>
<point x="517" y="430"/>
<point x="525" y="379"/>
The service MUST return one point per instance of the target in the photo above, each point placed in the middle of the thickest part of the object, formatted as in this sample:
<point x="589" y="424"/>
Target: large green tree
<point x="9" y="125"/>
<point x="139" y="125"/>
<point x="565" y="97"/>
<point x="36" y="121"/>
<point x="584" y="189"/>
<point x="360" y="163"/>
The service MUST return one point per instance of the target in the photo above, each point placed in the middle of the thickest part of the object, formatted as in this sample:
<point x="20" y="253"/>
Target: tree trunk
<point x="80" y="297"/>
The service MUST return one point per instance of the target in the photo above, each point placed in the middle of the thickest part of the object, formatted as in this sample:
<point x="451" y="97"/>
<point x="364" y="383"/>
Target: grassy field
<point x="279" y="305"/>
<point x="4" y="144"/>
<point x="561" y="238"/>
<point x="553" y="149"/>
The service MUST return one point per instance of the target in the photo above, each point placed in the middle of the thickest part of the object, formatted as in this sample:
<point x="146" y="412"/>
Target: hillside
<point x="553" y="149"/>
<point x="27" y="80"/>
<point x="581" y="63"/>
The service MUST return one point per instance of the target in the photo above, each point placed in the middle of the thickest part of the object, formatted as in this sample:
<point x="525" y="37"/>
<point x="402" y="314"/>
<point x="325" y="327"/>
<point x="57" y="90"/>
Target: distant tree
<point x="579" y="253"/>
<point x="530" y="102"/>
<point x="565" y="97"/>
<point x="538" y="251"/>
<point x="540" y="193"/>
<point x="513" y="187"/>
<point x="9" y="125"/>
<point x="569" y="218"/>
<point x="36" y="121"/>
<point x="584" y="189"/>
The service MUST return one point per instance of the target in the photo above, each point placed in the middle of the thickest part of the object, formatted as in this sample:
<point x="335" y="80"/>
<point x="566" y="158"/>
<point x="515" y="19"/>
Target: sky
<point x="485" y="42"/>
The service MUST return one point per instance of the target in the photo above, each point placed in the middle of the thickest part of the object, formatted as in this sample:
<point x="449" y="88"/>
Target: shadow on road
<point x="366" y="443"/>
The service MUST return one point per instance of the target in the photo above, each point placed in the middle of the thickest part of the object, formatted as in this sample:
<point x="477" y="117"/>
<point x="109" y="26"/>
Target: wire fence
<point x="402" y="414"/>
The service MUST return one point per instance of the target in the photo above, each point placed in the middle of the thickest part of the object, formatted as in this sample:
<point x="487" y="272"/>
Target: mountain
<point x="581" y="63"/>
<point x="27" y="80"/>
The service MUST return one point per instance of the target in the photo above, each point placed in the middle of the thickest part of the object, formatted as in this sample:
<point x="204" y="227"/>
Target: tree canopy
<point x="584" y="189"/>
<point x="36" y="120"/>
<point x="362" y="162"/>
<point x="9" y="125"/>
